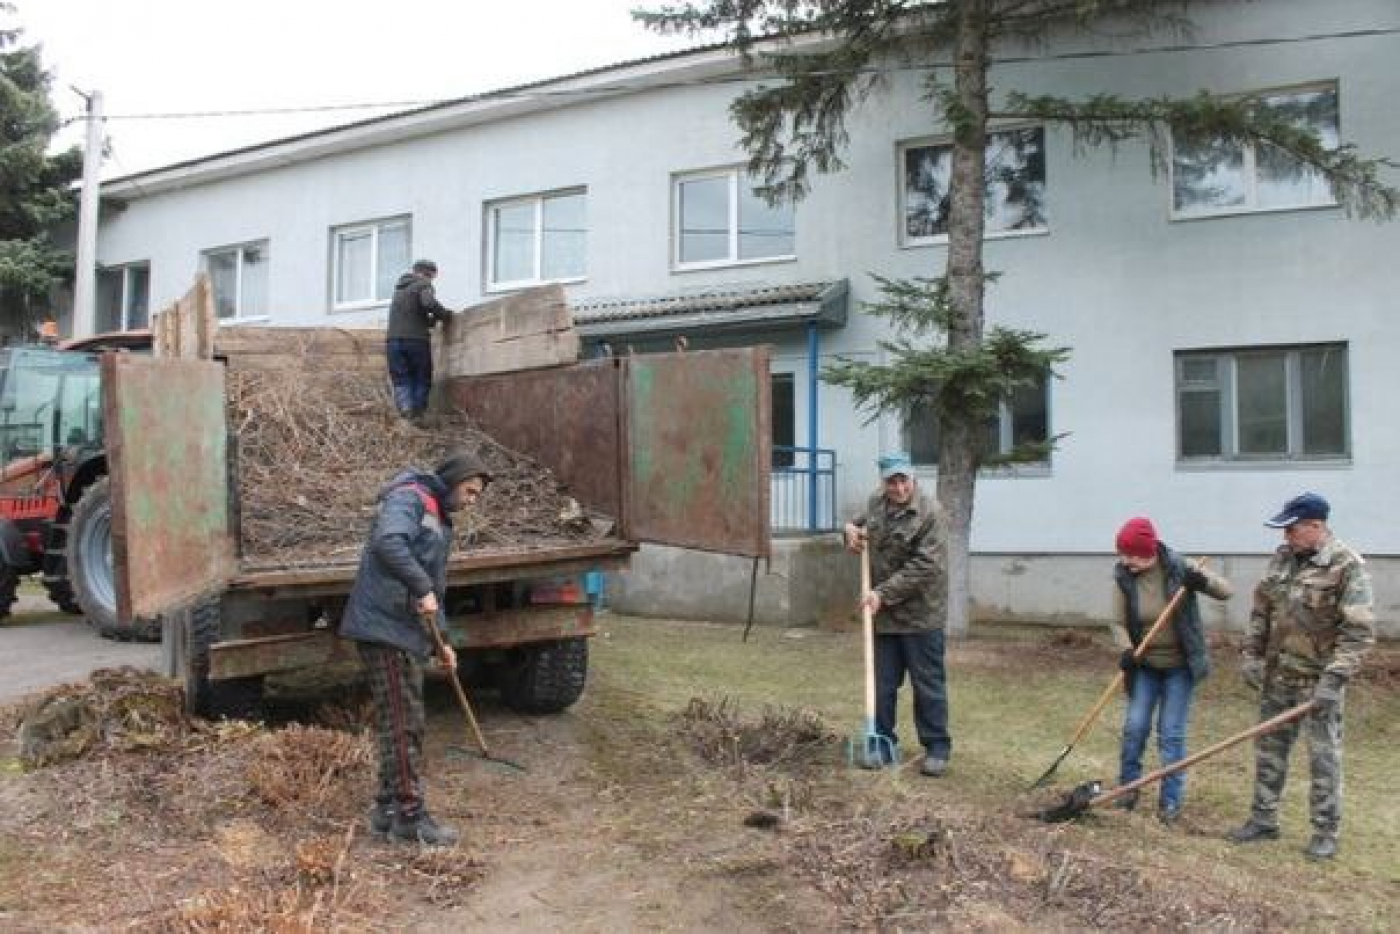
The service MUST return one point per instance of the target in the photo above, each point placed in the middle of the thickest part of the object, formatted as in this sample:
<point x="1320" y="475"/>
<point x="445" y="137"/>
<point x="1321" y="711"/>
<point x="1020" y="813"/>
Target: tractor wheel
<point x="90" y="568"/>
<point x="546" y="677"/>
<point x="61" y="593"/>
<point x="233" y="698"/>
<point x="9" y="585"/>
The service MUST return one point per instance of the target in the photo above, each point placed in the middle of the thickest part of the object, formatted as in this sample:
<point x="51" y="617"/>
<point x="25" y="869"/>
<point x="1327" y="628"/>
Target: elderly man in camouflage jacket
<point x="1311" y="625"/>
<point x="906" y="532"/>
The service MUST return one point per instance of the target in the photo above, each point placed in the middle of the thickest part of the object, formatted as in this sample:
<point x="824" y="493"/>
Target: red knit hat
<point x="1137" y="538"/>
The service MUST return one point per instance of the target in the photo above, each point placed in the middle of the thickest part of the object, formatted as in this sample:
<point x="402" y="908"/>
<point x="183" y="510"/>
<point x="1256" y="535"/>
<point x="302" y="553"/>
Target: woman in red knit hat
<point x="1162" y="675"/>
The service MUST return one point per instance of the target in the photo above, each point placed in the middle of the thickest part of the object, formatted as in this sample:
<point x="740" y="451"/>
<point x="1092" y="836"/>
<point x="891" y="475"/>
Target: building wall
<point x="1113" y="278"/>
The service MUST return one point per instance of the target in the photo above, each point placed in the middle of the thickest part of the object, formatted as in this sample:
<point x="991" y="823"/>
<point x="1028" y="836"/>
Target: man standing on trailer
<point x="413" y="312"/>
<point x="401" y="580"/>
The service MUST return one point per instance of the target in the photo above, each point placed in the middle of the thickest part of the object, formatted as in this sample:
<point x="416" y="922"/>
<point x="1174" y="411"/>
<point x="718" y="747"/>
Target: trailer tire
<point x="547" y="677"/>
<point x="61" y="593"/>
<point x="9" y="589"/>
<point x="90" y="568"/>
<point x="232" y="698"/>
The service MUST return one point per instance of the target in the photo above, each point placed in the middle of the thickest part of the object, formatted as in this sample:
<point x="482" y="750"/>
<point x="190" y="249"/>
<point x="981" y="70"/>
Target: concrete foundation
<point x="812" y="581"/>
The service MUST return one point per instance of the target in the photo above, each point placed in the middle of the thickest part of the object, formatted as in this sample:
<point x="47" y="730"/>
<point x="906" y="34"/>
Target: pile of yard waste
<point x="315" y="446"/>
<point x="225" y="826"/>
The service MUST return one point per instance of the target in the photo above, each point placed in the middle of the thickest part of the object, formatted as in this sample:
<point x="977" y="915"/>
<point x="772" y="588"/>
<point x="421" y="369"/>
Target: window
<point x="1215" y="177"/>
<point x="1023" y="419"/>
<point x="366" y="260"/>
<point x="123" y="297"/>
<point x="1286" y="403"/>
<point x="1015" y="185"/>
<point x="542" y="238"/>
<point x="722" y="221"/>
<point x="238" y="275"/>
<point x="784" y="420"/>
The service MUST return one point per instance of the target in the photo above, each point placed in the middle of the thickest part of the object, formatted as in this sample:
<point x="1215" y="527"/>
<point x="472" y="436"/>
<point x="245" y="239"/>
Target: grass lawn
<point x="1016" y="696"/>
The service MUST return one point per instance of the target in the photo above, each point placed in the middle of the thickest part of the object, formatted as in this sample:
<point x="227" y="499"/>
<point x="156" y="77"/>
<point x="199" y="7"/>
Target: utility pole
<point x="85" y="279"/>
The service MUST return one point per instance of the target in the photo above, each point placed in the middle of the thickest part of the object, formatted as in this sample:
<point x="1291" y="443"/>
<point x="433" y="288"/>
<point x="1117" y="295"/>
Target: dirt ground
<point x="654" y="804"/>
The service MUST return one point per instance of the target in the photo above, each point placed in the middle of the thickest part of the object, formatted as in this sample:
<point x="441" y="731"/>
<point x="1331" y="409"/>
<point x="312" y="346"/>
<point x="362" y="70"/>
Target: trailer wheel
<point x="546" y="677"/>
<point x="233" y="698"/>
<point x="90" y="568"/>
<point x="9" y="587"/>
<point x="61" y="593"/>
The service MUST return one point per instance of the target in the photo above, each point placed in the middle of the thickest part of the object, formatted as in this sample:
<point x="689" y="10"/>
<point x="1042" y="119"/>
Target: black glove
<point x="1126" y="662"/>
<point x="1195" y="580"/>
<point x="1327" y="696"/>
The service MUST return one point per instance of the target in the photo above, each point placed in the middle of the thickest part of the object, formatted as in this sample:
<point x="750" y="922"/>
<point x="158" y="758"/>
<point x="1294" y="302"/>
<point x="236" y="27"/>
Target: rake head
<point x="1077" y="802"/>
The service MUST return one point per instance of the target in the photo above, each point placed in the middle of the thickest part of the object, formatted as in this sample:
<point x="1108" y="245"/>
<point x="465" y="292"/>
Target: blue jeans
<point x="1168" y="692"/>
<point x="411" y="372"/>
<point x="921" y="655"/>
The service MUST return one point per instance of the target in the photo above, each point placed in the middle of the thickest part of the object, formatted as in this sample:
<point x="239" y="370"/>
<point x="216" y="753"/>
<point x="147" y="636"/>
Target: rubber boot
<point x="421" y="828"/>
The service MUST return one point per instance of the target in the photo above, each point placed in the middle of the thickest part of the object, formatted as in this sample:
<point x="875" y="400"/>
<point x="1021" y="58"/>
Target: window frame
<point x="945" y="140"/>
<point x="265" y="246"/>
<point x="538" y="200"/>
<point x="374" y="227"/>
<point x="126" y="269"/>
<point x="1006" y="434"/>
<point x="732" y="174"/>
<point x="1227" y="386"/>
<point x="1250" y="164"/>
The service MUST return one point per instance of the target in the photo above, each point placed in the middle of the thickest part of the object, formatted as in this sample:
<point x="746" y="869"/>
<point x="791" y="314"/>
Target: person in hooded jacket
<point x="413" y="312"/>
<point x="402" y="579"/>
<point x="1162" y="678"/>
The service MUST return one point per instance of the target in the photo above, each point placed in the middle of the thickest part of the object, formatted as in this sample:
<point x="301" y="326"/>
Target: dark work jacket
<point x="1187" y="618"/>
<point x="405" y="559"/>
<point x="414" y="308"/>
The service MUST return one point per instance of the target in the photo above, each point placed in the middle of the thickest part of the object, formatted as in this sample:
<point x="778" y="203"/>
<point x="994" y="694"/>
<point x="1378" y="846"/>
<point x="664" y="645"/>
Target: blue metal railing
<point x="804" y="489"/>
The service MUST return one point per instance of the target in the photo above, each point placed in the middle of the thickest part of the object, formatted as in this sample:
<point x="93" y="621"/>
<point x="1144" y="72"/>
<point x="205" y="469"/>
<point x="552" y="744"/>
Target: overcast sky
<point x="186" y="56"/>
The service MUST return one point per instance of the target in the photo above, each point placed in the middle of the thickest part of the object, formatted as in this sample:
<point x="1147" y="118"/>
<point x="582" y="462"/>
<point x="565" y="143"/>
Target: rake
<point x="430" y="621"/>
<point x="869" y="747"/>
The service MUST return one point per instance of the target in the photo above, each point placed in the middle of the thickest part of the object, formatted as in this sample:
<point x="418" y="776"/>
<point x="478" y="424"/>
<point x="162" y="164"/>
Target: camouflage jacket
<point x="1313" y="615"/>
<point x="908" y="563"/>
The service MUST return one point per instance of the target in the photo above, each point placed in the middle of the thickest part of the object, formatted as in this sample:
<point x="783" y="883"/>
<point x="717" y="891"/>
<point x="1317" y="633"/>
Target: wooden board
<point x="525" y="331"/>
<point x="186" y="329"/>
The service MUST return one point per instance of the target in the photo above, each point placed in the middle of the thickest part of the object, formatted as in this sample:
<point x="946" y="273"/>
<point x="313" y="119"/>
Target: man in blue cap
<point x="1311" y="626"/>
<point x="907" y="534"/>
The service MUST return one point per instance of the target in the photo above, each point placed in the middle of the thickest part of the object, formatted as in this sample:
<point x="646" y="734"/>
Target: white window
<point x="238" y="275"/>
<point x="366" y="259"/>
<point x="722" y="221"/>
<point x="1015" y="186"/>
<point x="1275" y="403"/>
<point x="535" y="239"/>
<point x="1215" y="177"/>
<point x="123" y="297"/>
<point x="1023" y="419"/>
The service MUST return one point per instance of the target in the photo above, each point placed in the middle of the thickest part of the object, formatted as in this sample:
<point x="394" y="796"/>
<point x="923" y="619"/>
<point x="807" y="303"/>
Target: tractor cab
<point x="50" y="406"/>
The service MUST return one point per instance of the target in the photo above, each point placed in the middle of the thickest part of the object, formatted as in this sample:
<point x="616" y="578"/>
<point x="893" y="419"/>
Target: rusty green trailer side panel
<point x="699" y="455"/>
<point x="167" y="453"/>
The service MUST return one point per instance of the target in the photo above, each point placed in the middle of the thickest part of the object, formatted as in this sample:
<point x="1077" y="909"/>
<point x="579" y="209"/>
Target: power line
<point x="746" y="78"/>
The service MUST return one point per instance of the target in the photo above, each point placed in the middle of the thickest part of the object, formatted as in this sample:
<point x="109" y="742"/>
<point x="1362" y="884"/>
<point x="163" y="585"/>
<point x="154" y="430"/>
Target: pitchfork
<point x="875" y="749"/>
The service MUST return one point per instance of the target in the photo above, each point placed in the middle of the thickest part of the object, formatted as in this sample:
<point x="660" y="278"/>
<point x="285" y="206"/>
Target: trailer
<point x="674" y="446"/>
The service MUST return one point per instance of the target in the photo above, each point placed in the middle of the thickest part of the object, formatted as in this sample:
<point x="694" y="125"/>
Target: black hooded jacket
<point x="404" y="560"/>
<point x="414" y="308"/>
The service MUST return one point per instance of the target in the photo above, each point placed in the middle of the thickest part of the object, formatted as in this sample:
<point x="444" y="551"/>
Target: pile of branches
<point x="720" y="734"/>
<point x="117" y="710"/>
<point x="315" y="446"/>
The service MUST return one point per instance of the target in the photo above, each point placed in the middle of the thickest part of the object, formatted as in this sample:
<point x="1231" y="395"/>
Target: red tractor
<point x="55" y="505"/>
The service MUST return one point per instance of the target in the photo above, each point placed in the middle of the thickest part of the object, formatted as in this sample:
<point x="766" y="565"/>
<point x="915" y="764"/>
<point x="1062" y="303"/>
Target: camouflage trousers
<point x="1324" y="738"/>
<point x="396" y="686"/>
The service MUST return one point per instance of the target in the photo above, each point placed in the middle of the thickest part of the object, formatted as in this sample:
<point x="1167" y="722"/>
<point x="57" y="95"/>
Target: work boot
<point x="1322" y="846"/>
<point x="1251" y="831"/>
<point x="421" y="828"/>
<point x="1169" y="814"/>
<point x="1128" y="802"/>
<point x="934" y="766"/>
<point x="381" y="818"/>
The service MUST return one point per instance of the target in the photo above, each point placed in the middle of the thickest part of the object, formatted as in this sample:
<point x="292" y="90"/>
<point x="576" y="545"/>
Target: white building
<point x="1230" y="327"/>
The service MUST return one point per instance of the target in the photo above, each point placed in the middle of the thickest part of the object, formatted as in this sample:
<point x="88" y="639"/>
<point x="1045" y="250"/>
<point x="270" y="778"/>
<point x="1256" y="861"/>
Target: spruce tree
<point x="829" y="55"/>
<point x="35" y="192"/>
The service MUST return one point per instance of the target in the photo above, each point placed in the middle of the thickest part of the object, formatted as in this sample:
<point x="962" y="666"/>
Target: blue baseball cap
<point x="894" y="464"/>
<point x="1300" y="508"/>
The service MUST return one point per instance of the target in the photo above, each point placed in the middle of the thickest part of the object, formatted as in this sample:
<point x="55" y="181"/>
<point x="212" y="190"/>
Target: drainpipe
<point x="813" y="349"/>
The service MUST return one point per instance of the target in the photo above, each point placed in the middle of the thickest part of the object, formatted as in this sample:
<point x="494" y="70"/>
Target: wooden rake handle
<point x="430" y="621"/>
<point x="867" y="621"/>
